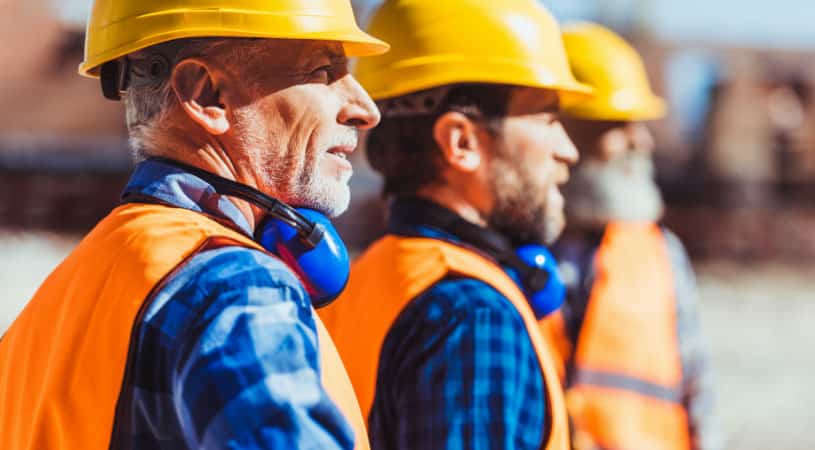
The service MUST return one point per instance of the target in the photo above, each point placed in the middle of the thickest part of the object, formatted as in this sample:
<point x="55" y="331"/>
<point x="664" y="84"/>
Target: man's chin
<point x="331" y="204"/>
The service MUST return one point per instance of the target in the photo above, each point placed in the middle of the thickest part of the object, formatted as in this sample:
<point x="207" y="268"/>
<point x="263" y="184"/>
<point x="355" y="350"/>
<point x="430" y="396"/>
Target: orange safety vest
<point x="62" y="362"/>
<point x="625" y="386"/>
<point x="394" y="271"/>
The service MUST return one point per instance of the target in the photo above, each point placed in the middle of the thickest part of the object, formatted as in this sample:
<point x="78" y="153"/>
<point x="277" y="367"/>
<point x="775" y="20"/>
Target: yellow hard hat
<point x="119" y="27"/>
<point x="601" y="58"/>
<point x="441" y="42"/>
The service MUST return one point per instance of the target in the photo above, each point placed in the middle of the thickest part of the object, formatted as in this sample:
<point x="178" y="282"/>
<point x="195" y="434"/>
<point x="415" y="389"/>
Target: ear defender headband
<point x="118" y="75"/>
<point x="531" y="266"/>
<point x="305" y="239"/>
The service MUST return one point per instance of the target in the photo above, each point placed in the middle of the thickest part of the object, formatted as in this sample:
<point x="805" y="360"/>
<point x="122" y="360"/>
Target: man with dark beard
<point x="436" y="327"/>
<point x="637" y="374"/>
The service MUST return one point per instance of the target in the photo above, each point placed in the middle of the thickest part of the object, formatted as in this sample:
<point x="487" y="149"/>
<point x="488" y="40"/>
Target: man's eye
<point x="321" y="74"/>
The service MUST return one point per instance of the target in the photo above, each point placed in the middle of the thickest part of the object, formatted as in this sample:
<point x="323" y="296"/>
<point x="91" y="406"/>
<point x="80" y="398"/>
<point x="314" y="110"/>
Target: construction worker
<point x="436" y="326"/>
<point x="185" y="319"/>
<point x="637" y="374"/>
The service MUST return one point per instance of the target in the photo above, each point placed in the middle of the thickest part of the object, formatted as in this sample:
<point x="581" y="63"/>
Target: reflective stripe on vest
<point x="393" y="272"/>
<point x="63" y="361"/>
<point x="625" y="389"/>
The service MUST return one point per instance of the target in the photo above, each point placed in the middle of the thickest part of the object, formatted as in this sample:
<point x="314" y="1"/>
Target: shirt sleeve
<point x="246" y="373"/>
<point x="458" y="371"/>
<point x="698" y="395"/>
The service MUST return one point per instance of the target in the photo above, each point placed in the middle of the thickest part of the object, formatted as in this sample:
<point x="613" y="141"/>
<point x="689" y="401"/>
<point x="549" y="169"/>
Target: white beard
<point x="329" y="196"/>
<point x="622" y="189"/>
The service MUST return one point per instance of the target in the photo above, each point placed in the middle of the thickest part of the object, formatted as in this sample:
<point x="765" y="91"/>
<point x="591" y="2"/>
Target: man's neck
<point x="454" y="201"/>
<point x="213" y="158"/>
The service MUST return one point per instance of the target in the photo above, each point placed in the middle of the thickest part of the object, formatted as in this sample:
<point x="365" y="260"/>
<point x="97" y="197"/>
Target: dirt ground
<point x="760" y="320"/>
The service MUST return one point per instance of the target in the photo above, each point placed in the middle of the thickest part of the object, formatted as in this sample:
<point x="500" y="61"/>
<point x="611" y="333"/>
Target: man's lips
<point x="342" y="151"/>
<point x="340" y="154"/>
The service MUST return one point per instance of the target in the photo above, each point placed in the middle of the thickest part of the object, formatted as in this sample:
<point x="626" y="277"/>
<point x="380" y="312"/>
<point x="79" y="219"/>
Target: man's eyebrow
<point x="330" y="51"/>
<point x="549" y="104"/>
<point x="334" y="56"/>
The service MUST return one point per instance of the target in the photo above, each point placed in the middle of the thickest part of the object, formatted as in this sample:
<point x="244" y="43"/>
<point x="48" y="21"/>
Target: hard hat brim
<point x="646" y="109"/>
<point x="356" y="43"/>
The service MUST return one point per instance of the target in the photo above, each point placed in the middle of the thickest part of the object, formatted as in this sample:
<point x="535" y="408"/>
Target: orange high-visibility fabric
<point x="554" y="333"/>
<point x="63" y="361"/>
<point x="629" y="333"/>
<point x="393" y="272"/>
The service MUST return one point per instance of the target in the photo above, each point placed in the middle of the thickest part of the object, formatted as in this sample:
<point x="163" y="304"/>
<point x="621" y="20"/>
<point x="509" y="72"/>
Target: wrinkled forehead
<point x="247" y="59"/>
<point x="285" y="54"/>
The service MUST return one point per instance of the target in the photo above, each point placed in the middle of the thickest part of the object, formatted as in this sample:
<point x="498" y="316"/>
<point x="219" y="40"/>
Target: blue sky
<point x="777" y="23"/>
<point x="763" y="23"/>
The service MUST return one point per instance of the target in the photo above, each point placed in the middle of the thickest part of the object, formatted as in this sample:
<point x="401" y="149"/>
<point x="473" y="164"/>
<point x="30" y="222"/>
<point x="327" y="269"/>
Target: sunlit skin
<point x="515" y="173"/>
<point x="283" y="122"/>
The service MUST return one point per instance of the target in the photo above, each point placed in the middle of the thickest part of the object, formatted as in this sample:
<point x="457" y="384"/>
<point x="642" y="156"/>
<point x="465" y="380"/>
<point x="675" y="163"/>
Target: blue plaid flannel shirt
<point x="457" y="371"/>
<point x="226" y="354"/>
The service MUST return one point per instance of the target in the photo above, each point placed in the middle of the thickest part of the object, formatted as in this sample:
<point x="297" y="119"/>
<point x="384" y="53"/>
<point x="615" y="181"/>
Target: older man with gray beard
<point x="186" y="319"/>
<point x="636" y="374"/>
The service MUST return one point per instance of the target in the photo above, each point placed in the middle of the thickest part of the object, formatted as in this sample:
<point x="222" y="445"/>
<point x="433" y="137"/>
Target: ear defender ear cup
<point x="323" y="268"/>
<point x="543" y="286"/>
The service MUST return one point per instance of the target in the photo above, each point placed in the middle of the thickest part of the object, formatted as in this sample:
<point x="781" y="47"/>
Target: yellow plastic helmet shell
<point x="605" y="61"/>
<point x="119" y="27"/>
<point x="442" y="42"/>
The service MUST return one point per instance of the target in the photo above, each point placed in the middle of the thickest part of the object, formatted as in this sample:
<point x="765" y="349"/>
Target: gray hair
<point x="148" y="106"/>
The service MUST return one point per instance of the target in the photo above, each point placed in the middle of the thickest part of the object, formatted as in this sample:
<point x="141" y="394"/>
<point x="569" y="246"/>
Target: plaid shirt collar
<point x="171" y="185"/>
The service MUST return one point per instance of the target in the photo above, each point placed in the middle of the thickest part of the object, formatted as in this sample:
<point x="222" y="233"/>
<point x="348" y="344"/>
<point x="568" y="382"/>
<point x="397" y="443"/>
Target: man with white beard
<point x="636" y="369"/>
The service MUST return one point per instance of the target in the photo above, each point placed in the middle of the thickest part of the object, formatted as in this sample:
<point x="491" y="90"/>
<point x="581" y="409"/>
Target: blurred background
<point x="736" y="160"/>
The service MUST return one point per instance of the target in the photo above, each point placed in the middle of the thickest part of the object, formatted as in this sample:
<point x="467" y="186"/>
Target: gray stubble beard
<point x="521" y="206"/>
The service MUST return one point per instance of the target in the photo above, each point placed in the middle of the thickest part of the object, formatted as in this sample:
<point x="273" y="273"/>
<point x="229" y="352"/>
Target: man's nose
<point x="566" y="151"/>
<point x="358" y="110"/>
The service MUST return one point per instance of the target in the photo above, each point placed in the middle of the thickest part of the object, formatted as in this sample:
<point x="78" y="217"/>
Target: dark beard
<point x="520" y="204"/>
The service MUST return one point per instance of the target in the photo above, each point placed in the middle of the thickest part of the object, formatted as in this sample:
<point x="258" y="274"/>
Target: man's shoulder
<point x="215" y="280"/>
<point x="240" y="265"/>
<point x="459" y="297"/>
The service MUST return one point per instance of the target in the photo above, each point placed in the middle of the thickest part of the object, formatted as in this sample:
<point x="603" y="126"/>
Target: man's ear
<point x="457" y="137"/>
<point x="199" y="96"/>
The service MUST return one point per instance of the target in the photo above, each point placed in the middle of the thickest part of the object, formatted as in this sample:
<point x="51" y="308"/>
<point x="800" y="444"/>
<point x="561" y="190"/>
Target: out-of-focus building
<point x="38" y="83"/>
<point x="63" y="155"/>
<point x="739" y="173"/>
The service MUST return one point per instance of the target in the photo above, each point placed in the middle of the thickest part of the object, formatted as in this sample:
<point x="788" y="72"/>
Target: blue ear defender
<point x="303" y="238"/>
<point x="543" y="286"/>
<point x="318" y="256"/>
